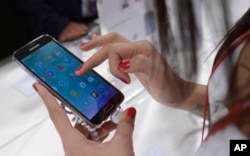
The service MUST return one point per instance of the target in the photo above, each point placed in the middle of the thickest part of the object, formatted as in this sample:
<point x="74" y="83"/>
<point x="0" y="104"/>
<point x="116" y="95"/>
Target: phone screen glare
<point x="56" y="67"/>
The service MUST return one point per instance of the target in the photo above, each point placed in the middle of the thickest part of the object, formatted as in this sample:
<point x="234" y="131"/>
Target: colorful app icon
<point x="49" y="58"/>
<point x="73" y="93"/>
<point x="72" y="75"/>
<point x="50" y="74"/>
<point x="95" y="94"/>
<point x="60" y="66"/>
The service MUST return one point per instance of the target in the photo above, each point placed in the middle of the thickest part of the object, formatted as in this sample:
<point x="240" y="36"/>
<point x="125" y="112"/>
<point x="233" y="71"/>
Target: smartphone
<point x="90" y="96"/>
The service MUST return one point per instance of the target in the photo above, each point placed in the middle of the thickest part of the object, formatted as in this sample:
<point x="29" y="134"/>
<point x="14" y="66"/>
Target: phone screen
<point x="55" y="66"/>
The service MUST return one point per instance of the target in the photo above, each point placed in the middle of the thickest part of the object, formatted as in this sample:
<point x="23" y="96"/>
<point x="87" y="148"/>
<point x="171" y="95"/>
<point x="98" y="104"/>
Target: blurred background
<point x="25" y="128"/>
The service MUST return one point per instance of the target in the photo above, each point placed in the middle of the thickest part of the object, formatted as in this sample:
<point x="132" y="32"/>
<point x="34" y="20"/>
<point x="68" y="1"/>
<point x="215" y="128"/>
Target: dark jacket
<point x="50" y="16"/>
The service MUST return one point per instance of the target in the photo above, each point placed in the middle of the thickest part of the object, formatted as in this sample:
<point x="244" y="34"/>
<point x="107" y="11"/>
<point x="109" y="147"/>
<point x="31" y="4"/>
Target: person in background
<point x="224" y="101"/>
<point x="65" y="20"/>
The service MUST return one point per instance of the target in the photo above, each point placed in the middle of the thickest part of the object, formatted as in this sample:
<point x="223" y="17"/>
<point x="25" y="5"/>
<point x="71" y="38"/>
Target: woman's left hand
<point x="76" y="140"/>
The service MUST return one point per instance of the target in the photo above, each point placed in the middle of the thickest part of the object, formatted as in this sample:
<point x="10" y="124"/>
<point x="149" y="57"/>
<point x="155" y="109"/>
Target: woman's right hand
<point x="140" y="58"/>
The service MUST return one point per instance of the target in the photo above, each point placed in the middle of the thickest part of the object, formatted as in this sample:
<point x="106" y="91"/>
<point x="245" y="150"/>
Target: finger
<point x="56" y="113"/>
<point x="141" y="64"/>
<point x="125" y="127"/>
<point x="115" y="58"/>
<point x="80" y="29"/>
<point x="106" y="128"/>
<point x="82" y="129"/>
<point x="135" y="57"/>
<point x="75" y="33"/>
<point x="117" y="52"/>
<point x="92" y="62"/>
<point x="61" y="38"/>
<point x="94" y="36"/>
<point x="83" y="27"/>
<point x="103" y="40"/>
<point x="114" y="64"/>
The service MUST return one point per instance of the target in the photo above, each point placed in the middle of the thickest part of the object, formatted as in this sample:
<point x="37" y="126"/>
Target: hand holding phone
<point x="90" y="96"/>
<point x="121" y="141"/>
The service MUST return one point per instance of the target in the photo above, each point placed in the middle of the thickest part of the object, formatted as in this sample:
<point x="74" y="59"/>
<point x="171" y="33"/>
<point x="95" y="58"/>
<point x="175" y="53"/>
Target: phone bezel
<point x="102" y="115"/>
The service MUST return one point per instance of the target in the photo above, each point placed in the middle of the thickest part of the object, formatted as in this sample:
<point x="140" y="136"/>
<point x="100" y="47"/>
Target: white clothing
<point x="218" y="144"/>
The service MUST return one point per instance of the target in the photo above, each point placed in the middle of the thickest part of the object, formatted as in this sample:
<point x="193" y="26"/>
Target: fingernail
<point x="123" y="80"/>
<point x="34" y="86"/>
<point x="131" y="112"/>
<point x="83" y="43"/>
<point x="79" y="68"/>
<point x="124" y="65"/>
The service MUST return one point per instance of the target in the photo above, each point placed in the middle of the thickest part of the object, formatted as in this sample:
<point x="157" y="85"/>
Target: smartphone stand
<point x="115" y="117"/>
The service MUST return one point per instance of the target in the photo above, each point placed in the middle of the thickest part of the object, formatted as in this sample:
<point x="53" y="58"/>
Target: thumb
<point x="125" y="126"/>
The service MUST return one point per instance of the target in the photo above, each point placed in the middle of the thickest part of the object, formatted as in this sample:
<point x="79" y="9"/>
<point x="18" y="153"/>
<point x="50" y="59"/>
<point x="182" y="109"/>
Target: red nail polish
<point x="34" y="86"/>
<point x="131" y="112"/>
<point x="123" y="80"/>
<point x="83" y="43"/>
<point x="124" y="65"/>
<point x="78" y="68"/>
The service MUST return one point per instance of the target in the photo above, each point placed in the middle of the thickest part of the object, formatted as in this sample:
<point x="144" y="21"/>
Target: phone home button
<point x="108" y="108"/>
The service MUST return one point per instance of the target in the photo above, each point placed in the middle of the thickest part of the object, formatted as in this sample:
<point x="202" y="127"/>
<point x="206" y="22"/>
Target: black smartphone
<point x="90" y="96"/>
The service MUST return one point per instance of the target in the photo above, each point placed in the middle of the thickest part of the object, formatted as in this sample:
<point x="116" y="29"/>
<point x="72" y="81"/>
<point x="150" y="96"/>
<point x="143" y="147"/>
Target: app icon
<point x="90" y="79"/>
<point x="67" y="60"/>
<point x="61" y="83"/>
<point x="82" y="84"/>
<point x="50" y="74"/>
<point x="101" y="87"/>
<point x="49" y="58"/>
<point x="57" y="52"/>
<point x="72" y="75"/>
<point x="95" y="94"/>
<point x="73" y="93"/>
<point x="101" y="103"/>
<point x="39" y="64"/>
<point x="85" y="103"/>
<point x="60" y="66"/>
